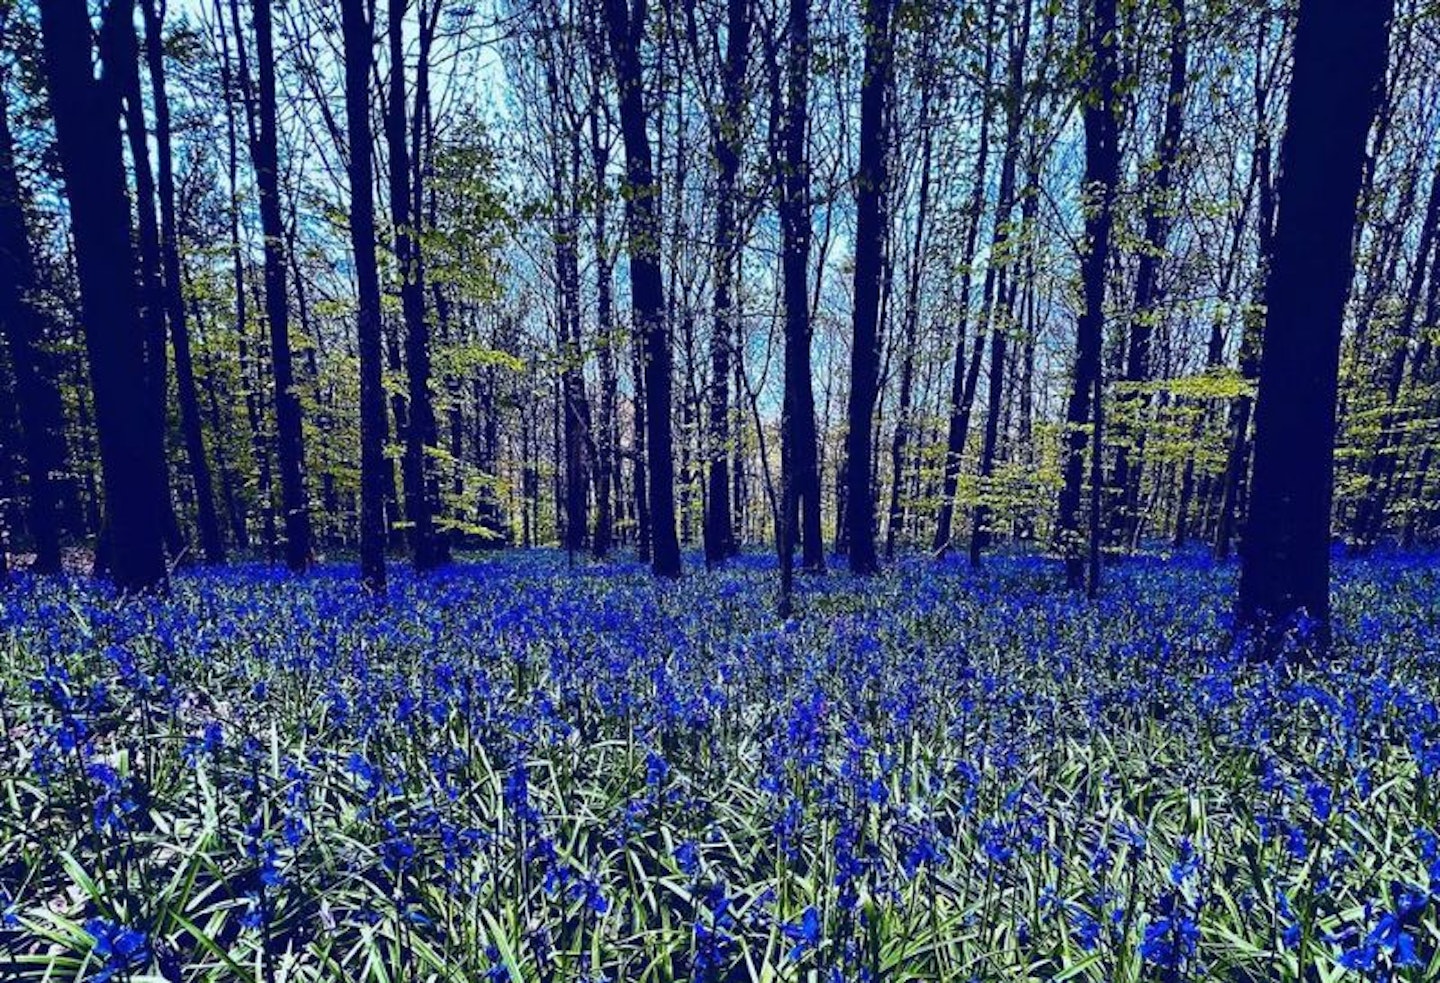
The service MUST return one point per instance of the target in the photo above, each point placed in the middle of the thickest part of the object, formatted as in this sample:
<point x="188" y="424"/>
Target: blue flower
<point x="1392" y="930"/>
<point x="804" y="932"/>
<point x="687" y="857"/>
<point x="119" y="948"/>
<point x="1187" y="863"/>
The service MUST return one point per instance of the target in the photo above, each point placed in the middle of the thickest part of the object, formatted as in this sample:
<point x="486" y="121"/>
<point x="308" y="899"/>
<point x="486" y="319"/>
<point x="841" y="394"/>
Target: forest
<point x="719" y="490"/>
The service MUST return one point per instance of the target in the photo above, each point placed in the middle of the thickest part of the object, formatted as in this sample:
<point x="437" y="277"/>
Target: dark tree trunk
<point x="232" y="160"/>
<point x="212" y="544"/>
<point x="980" y="523"/>
<point x="359" y="40"/>
<point x="910" y="329"/>
<point x="22" y="320"/>
<point x="963" y="377"/>
<point x="399" y="409"/>
<point x="607" y="473"/>
<point x="1339" y="62"/>
<point x="1158" y="209"/>
<point x="627" y="29"/>
<point x="996" y="293"/>
<point x="120" y="44"/>
<point x="290" y="439"/>
<point x="420" y="431"/>
<point x="872" y="218"/>
<point x="572" y="496"/>
<point x="86" y="111"/>
<point x="1102" y="164"/>
<point x="800" y="480"/>
<point x="726" y="139"/>
<point x="638" y="477"/>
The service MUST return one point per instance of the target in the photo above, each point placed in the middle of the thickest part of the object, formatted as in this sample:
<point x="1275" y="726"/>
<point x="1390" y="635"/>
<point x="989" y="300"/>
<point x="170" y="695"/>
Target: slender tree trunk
<point x="998" y="300"/>
<point x="1238" y="461"/>
<point x="290" y="438"/>
<point x="910" y="330"/>
<point x="726" y="140"/>
<point x="799" y="453"/>
<point x="872" y="214"/>
<point x="125" y="49"/>
<point x="420" y="431"/>
<point x="359" y="41"/>
<point x="1339" y="62"/>
<point x="627" y="28"/>
<point x="212" y="543"/>
<point x="639" y="477"/>
<point x="1158" y="209"/>
<point x="252" y="401"/>
<point x="607" y="483"/>
<point x="963" y="377"/>
<point x="1102" y="164"/>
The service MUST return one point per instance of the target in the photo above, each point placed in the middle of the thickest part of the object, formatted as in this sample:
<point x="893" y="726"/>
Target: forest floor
<point x="515" y="771"/>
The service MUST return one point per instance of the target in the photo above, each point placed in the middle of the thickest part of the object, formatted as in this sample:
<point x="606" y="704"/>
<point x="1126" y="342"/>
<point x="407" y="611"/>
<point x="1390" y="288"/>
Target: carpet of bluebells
<point x="518" y="771"/>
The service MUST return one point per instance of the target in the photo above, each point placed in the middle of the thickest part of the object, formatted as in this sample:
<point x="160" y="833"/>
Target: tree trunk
<point x="726" y="139"/>
<point x="1237" y="465"/>
<point x="212" y="544"/>
<point x="359" y="41"/>
<point x="86" y="111"/>
<point x="123" y="48"/>
<point x="420" y="431"/>
<point x="23" y="320"/>
<point x="626" y="28"/>
<point x="800" y="482"/>
<point x="607" y="484"/>
<point x="998" y="300"/>
<point x="910" y="329"/>
<point x="872" y="217"/>
<point x="1158" y="209"/>
<point x="1102" y="164"/>
<point x="290" y="438"/>
<point x="1339" y="61"/>
<point x="963" y="377"/>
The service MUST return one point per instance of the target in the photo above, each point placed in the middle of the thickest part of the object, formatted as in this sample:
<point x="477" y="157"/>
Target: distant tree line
<point x="415" y="276"/>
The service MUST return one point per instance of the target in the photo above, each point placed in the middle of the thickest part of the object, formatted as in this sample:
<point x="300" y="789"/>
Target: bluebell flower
<point x="687" y="858"/>
<point x="1170" y="940"/>
<point x="1085" y="927"/>
<point x="804" y="932"/>
<point x="1187" y="862"/>
<point x="119" y="948"/>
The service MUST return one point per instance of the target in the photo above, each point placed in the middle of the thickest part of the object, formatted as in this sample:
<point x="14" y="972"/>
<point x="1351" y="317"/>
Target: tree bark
<point x="23" y="321"/>
<point x="359" y="41"/>
<point x="872" y="218"/>
<point x="212" y="543"/>
<point x="290" y="438"/>
<point x="86" y="111"/>
<point x="720" y="541"/>
<point x="1158" y="209"/>
<point x="910" y="325"/>
<point x="1339" y="61"/>
<point x="800" y="480"/>
<point x="1102" y="164"/>
<point x="405" y="192"/>
<point x="963" y="377"/>
<point x="998" y="300"/>
<point x="627" y="29"/>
